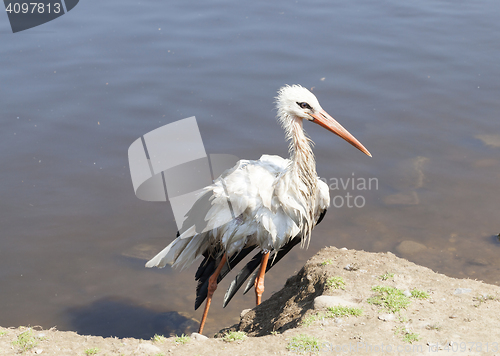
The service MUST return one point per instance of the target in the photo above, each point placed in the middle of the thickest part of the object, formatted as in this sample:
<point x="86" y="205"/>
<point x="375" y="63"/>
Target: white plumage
<point x="272" y="209"/>
<point x="273" y="199"/>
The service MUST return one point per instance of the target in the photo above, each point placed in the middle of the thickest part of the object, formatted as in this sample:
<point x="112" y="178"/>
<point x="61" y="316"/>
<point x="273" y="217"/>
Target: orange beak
<point x="329" y="123"/>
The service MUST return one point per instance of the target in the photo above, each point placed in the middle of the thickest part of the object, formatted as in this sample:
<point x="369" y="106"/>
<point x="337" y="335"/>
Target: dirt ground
<point x="445" y="316"/>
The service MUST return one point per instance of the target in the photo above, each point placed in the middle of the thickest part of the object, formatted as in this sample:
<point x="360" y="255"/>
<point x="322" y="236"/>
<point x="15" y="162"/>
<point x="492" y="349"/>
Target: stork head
<point x="296" y="103"/>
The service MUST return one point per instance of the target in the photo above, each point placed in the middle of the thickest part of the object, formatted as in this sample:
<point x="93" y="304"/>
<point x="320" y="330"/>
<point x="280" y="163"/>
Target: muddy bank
<point x="342" y="301"/>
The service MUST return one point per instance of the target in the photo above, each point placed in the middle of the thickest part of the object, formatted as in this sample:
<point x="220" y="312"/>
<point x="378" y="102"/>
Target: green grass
<point x="308" y="320"/>
<point x="386" y="276"/>
<point x="482" y="299"/>
<point x="91" y="351"/>
<point x="339" y="310"/>
<point x="304" y="343"/>
<point x="411" y="337"/>
<point x="390" y="298"/>
<point x="335" y="283"/>
<point x="327" y="262"/>
<point x="158" y="338"/>
<point x="235" y="336"/>
<point x="419" y="294"/>
<point x="2" y="333"/>
<point x="182" y="339"/>
<point x="407" y="336"/>
<point x="332" y="312"/>
<point x="26" y="340"/>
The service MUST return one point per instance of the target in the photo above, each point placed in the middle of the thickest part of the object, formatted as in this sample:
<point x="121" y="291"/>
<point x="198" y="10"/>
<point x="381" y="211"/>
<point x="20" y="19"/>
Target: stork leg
<point x="259" y="281"/>
<point x="212" y="286"/>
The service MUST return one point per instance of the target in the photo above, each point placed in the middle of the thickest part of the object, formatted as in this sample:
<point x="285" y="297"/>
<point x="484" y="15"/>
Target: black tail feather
<point x="251" y="281"/>
<point x="208" y="267"/>
<point x="252" y="266"/>
<point x="241" y="277"/>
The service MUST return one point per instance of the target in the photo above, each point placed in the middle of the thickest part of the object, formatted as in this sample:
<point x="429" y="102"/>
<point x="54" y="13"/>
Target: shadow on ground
<point x="109" y="317"/>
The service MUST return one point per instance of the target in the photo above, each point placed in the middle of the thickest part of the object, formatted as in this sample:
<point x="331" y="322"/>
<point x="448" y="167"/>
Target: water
<point x="416" y="82"/>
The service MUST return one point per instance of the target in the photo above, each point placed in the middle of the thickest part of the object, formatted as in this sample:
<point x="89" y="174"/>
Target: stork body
<point x="275" y="204"/>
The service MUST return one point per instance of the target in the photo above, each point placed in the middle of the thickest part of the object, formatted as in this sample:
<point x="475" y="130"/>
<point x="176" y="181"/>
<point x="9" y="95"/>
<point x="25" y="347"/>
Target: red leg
<point x="212" y="286"/>
<point x="259" y="281"/>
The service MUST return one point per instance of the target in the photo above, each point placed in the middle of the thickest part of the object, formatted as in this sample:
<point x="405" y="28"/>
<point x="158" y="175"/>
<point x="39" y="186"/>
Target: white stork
<point x="279" y="202"/>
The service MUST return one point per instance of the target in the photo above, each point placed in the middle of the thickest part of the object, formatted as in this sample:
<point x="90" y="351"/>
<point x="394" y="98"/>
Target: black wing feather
<point x="208" y="267"/>
<point x="252" y="266"/>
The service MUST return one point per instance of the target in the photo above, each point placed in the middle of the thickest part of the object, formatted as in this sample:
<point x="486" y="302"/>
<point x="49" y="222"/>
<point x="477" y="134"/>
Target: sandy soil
<point x="458" y="317"/>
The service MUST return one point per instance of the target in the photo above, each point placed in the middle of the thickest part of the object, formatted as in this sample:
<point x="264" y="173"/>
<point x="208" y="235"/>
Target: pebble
<point x="409" y="247"/>
<point x="38" y="351"/>
<point x="243" y="312"/>
<point x="459" y="291"/>
<point x="387" y="317"/>
<point x="407" y="293"/>
<point x="199" y="337"/>
<point x="351" y="267"/>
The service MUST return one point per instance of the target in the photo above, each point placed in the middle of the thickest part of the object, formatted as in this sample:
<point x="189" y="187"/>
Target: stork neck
<point x="301" y="152"/>
<point x="303" y="164"/>
<point x="303" y="175"/>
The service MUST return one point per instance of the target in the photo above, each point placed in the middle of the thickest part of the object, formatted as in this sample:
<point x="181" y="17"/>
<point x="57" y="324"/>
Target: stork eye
<point x="304" y="105"/>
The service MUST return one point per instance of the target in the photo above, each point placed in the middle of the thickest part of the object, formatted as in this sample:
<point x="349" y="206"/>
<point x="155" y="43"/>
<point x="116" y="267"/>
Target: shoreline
<point x="341" y="302"/>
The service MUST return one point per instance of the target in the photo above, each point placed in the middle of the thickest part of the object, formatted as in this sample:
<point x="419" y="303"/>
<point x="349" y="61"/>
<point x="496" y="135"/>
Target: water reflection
<point x="110" y="317"/>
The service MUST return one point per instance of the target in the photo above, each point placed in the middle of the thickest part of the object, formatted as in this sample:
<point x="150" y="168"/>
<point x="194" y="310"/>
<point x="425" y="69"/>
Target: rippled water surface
<point x="417" y="82"/>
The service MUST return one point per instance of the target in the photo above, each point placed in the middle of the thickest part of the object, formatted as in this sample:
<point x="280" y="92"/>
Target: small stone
<point x="453" y="316"/>
<point x="243" y="313"/>
<point x="344" y="249"/>
<point x="351" y="267"/>
<point x="407" y="293"/>
<point x="38" y="351"/>
<point x="409" y="247"/>
<point x="386" y="317"/>
<point x="148" y="349"/>
<point x="460" y="291"/>
<point x="198" y="337"/>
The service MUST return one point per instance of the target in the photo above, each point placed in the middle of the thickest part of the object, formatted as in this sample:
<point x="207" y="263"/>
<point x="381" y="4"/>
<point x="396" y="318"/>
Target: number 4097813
<point x="33" y="8"/>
